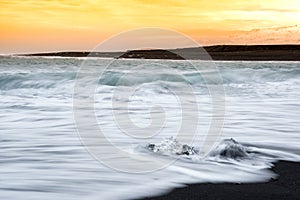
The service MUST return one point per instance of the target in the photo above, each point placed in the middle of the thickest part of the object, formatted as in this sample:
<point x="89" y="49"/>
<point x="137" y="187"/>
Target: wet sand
<point x="286" y="186"/>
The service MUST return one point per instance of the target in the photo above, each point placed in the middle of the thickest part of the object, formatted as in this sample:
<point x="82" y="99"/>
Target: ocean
<point x="96" y="128"/>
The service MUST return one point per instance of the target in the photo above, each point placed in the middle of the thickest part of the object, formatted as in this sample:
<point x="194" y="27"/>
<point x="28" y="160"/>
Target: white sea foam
<point x="42" y="157"/>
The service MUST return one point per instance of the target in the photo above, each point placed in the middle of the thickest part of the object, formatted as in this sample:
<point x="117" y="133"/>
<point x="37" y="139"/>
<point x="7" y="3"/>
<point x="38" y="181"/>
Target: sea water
<point x="42" y="155"/>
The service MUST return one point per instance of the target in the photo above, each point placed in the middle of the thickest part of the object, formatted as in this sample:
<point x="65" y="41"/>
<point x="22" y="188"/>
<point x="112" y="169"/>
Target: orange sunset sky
<point x="58" y="25"/>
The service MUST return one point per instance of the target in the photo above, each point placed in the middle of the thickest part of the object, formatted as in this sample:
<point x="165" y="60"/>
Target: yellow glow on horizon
<point x="74" y="24"/>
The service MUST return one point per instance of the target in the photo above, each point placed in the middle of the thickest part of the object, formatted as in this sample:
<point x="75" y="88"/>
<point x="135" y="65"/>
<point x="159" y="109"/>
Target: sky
<point x="60" y="25"/>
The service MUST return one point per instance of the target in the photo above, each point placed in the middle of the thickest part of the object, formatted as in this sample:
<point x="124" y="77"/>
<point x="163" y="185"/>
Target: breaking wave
<point x="119" y="78"/>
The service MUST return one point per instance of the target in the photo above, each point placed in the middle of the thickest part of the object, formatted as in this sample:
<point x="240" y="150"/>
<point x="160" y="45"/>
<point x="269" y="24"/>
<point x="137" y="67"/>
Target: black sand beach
<point x="218" y="52"/>
<point x="286" y="186"/>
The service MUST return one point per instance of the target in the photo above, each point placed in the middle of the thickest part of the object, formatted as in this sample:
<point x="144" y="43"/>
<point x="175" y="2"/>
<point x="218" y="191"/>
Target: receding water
<point x="42" y="156"/>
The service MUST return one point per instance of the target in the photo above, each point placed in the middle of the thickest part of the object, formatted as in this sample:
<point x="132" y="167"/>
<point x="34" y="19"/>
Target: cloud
<point x="280" y="35"/>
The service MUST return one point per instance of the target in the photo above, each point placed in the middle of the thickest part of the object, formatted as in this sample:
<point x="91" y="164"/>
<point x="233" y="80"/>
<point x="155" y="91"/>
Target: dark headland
<point x="218" y="52"/>
<point x="286" y="186"/>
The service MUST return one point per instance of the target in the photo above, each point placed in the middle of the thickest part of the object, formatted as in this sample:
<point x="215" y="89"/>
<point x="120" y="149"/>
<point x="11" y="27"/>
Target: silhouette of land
<point x="218" y="52"/>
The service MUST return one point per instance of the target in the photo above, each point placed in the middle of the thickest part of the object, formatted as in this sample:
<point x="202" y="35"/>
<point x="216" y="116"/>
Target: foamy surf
<point x="227" y="151"/>
<point x="40" y="146"/>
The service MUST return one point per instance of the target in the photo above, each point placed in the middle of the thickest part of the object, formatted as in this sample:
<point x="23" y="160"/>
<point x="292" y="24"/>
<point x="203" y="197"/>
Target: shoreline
<point x="286" y="186"/>
<point x="218" y="53"/>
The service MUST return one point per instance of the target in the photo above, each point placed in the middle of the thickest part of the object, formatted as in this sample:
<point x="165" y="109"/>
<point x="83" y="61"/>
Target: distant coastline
<point x="218" y="52"/>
